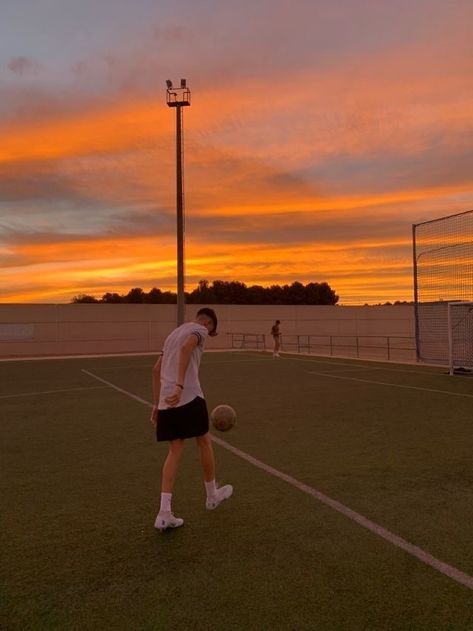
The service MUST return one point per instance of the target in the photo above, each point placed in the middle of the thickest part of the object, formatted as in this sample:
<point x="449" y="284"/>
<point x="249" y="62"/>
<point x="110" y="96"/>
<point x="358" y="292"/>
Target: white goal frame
<point x="452" y="360"/>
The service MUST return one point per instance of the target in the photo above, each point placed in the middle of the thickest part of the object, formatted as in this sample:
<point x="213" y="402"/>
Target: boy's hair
<point x="210" y="313"/>
<point x="278" y="322"/>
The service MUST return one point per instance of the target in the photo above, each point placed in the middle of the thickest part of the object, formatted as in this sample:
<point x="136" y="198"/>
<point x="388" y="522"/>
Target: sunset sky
<point x="319" y="131"/>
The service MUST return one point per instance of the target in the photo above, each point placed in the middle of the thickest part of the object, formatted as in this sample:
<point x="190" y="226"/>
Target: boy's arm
<point x="184" y="359"/>
<point x="156" y="381"/>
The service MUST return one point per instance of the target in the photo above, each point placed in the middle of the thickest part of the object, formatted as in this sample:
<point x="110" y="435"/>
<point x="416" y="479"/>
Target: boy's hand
<point x="154" y="415"/>
<point x="173" y="399"/>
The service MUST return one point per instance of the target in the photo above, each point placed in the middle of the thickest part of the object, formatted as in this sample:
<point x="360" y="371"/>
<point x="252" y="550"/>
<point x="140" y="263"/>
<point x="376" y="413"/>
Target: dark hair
<point x="210" y="313"/>
<point x="278" y="322"/>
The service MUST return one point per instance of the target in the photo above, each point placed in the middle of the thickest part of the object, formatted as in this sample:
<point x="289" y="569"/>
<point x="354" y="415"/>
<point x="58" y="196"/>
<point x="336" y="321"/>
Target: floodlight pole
<point x="181" y="304"/>
<point x="178" y="98"/>
<point x="416" y="292"/>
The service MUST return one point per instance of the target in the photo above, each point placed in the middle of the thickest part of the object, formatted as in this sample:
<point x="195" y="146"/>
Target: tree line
<point x="226" y="292"/>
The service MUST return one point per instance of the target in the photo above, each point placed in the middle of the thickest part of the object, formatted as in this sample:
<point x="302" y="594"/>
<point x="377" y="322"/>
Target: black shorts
<point x="187" y="421"/>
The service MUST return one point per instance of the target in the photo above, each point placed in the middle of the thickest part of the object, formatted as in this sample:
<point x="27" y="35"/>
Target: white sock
<point x="165" y="502"/>
<point x="211" y="488"/>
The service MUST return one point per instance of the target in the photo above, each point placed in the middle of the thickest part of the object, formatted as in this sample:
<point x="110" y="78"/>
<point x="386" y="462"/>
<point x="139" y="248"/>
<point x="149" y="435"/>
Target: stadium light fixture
<point x="179" y="97"/>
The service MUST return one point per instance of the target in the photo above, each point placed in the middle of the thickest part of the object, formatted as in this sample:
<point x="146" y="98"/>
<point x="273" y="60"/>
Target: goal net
<point x="443" y="274"/>
<point x="460" y="336"/>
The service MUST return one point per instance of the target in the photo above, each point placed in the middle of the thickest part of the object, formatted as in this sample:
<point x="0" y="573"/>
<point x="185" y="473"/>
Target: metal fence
<point x="254" y="341"/>
<point x="360" y="346"/>
<point x="390" y="347"/>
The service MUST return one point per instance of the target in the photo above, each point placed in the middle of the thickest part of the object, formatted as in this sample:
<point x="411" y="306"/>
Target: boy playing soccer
<point x="180" y="411"/>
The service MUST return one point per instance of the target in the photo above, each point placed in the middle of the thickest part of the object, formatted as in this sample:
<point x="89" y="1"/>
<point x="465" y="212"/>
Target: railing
<point x="255" y="341"/>
<point x="356" y="345"/>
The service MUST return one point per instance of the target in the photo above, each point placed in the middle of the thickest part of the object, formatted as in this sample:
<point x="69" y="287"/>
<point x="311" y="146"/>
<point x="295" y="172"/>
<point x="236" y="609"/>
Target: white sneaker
<point x="223" y="493"/>
<point x="166" y="520"/>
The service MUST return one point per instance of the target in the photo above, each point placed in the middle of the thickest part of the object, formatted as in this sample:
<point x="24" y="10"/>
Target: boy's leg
<point x="165" y="518"/>
<point x="214" y="495"/>
<point x="207" y="458"/>
<point x="176" y="449"/>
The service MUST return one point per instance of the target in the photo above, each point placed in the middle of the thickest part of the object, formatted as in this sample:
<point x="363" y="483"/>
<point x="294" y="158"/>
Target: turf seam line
<point x="415" y="551"/>
<point x="394" y="385"/>
<point x="33" y="394"/>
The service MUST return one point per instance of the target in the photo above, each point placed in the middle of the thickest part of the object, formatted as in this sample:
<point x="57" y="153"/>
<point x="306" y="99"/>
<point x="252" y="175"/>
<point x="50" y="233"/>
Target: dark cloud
<point x="446" y="160"/>
<point x="34" y="182"/>
<point x="169" y="33"/>
<point x="28" y="103"/>
<point x="24" y="66"/>
<point x="80" y="68"/>
<point x="324" y="228"/>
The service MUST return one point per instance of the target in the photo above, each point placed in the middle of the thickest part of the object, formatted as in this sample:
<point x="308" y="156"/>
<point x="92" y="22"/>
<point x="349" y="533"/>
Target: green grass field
<point x="80" y="491"/>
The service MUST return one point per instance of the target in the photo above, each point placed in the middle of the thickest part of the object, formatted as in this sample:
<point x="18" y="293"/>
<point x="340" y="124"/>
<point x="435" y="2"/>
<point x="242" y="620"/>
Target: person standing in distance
<point x="180" y="411"/>
<point x="275" y="332"/>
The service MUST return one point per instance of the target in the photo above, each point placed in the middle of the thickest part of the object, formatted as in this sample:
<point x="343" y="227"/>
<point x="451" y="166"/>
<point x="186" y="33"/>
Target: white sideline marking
<point x="394" y="385"/>
<point x="386" y="367"/>
<point x="419" y="553"/>
<point x="34" y="394"/>
<point x="449" y="570"/>
<point x="238" y="361"/>
<point x="311" y="361"/>
<point x="333" y="363"/>
<point x="99" y="356"/>
<point x="111" y="385"/>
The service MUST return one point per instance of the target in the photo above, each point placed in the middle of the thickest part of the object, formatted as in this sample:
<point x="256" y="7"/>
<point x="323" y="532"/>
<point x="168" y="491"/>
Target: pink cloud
<point x="24" y="66"/>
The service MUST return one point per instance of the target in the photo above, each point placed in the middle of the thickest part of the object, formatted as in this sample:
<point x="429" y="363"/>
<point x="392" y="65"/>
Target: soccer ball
<point x="223" y="417"/>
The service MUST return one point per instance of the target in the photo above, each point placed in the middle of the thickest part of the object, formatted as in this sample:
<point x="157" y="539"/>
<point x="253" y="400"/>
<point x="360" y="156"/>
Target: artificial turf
<point x="80" y="489"/>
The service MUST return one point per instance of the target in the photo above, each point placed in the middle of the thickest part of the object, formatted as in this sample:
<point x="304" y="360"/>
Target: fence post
<point x="389" y="349"/>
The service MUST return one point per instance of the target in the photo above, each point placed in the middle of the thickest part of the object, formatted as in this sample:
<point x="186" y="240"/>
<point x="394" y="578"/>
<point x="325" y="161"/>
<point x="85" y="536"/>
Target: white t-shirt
<point x="170" y="364"/>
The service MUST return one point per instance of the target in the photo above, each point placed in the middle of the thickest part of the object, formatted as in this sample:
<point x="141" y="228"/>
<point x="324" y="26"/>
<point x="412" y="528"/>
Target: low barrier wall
<point x="78" y="329"/>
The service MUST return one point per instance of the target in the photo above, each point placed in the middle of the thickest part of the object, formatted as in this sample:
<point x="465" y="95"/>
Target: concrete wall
<point x="70" y="329"/>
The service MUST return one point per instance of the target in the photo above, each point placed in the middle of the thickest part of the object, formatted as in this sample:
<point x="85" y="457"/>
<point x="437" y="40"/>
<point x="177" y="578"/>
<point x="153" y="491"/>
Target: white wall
<point x="69" y="329"/>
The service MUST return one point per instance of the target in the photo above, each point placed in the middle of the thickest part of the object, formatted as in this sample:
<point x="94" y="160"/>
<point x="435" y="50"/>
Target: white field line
<point x="329" y="363"/>
<point x="347" y="368"/>
<point x="297" y="359"/>
<point x="34" y="358"/>
<point x="367" y="366"/>
<point x="34" y="394"/>
<point x="448" y="570"/>
<point x="367" y="363"/>
<point x="238" y="361"/>
<point x="112" y="385"/>
<point x="392" y="385"/>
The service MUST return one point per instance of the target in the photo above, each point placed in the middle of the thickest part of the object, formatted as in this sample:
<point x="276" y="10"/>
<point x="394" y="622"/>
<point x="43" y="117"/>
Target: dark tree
<point x="84" y="298"/>
<point x="228" y="292"/>
<point x="135" y="296"/>
<point x="155" y="297"/>
<point x="112" y="298"/>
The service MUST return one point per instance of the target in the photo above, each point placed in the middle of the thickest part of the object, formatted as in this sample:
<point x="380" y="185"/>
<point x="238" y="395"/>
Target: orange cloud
<point x="117" y="265"/>
<point x="342" y="146"/>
